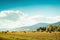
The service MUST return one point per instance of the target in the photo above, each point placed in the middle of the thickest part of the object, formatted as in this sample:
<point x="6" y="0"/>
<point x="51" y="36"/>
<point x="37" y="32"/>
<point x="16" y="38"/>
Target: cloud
<point x="10" y="18"/>
<point x="16" y="18"/>
<point x="46" y="19"/>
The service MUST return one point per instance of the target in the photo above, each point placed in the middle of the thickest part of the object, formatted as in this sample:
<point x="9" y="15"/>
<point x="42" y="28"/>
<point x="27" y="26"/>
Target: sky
<point x="19" y="13"/>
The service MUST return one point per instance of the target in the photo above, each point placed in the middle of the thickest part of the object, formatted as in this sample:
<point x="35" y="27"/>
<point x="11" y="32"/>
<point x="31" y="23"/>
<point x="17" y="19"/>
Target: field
<point x="30" y="36"/>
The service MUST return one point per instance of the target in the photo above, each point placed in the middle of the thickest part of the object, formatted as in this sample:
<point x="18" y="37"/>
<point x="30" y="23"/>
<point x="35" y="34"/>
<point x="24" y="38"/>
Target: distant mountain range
<point x="34" y="27"/>
<point x="31" y="28"/>
<point x="55" y="24"/>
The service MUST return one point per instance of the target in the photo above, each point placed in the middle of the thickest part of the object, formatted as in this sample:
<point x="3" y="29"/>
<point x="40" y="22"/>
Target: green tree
<point x="58" y="28"/>
<point x="41" y="29"/>
<point x="49" y="28"/>
<point x="38" y="29"/>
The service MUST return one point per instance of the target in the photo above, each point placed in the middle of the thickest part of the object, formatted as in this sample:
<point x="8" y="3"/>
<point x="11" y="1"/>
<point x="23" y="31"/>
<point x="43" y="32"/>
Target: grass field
<point x="30" y="36"/>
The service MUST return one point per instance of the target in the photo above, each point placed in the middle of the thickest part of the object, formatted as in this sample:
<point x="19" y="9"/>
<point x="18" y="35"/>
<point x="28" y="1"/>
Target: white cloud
<point x="8" y="19"/>
<point x="5" y="13"/>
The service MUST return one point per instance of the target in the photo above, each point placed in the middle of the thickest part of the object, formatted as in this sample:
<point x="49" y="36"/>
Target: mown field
<point x="30" y="36"/>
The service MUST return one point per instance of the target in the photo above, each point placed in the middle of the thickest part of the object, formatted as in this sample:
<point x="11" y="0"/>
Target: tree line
<point x="50" y="28"/>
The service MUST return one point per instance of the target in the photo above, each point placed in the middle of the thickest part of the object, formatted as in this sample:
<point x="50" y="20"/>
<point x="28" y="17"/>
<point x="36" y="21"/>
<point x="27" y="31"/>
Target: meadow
<point x="30" y="36"/>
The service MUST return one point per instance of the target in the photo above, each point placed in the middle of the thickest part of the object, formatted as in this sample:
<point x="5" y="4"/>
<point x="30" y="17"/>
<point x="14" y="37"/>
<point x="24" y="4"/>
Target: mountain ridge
<point x="34" y="27"/>
<point x="30" y="28"/>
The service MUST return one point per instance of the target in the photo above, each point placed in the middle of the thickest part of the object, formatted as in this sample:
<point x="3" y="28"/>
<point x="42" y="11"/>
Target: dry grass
<point x="30" y="36"/>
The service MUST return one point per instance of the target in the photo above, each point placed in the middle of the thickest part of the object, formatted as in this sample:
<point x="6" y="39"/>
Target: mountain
<point x="5" y="29"/>
<point x="55" y="24"/>
<point x="31" y="28"/>
<point x="34" y="27"/>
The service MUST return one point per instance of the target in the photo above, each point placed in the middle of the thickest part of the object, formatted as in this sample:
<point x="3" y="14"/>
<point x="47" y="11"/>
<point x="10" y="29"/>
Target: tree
<point x="49" y="28"/>
<point x="38" y="29"/>
<point x="58" y="28"/>
<point x="41" y="29"/>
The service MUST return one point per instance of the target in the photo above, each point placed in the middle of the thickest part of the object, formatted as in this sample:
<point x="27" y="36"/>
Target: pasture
<point x="30" y="36"/>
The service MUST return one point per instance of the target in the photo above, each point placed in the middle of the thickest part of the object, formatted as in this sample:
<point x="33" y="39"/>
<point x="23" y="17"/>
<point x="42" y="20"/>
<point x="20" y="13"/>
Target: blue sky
<point x="18" y="13"/>
<point x="32" y="6"/>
